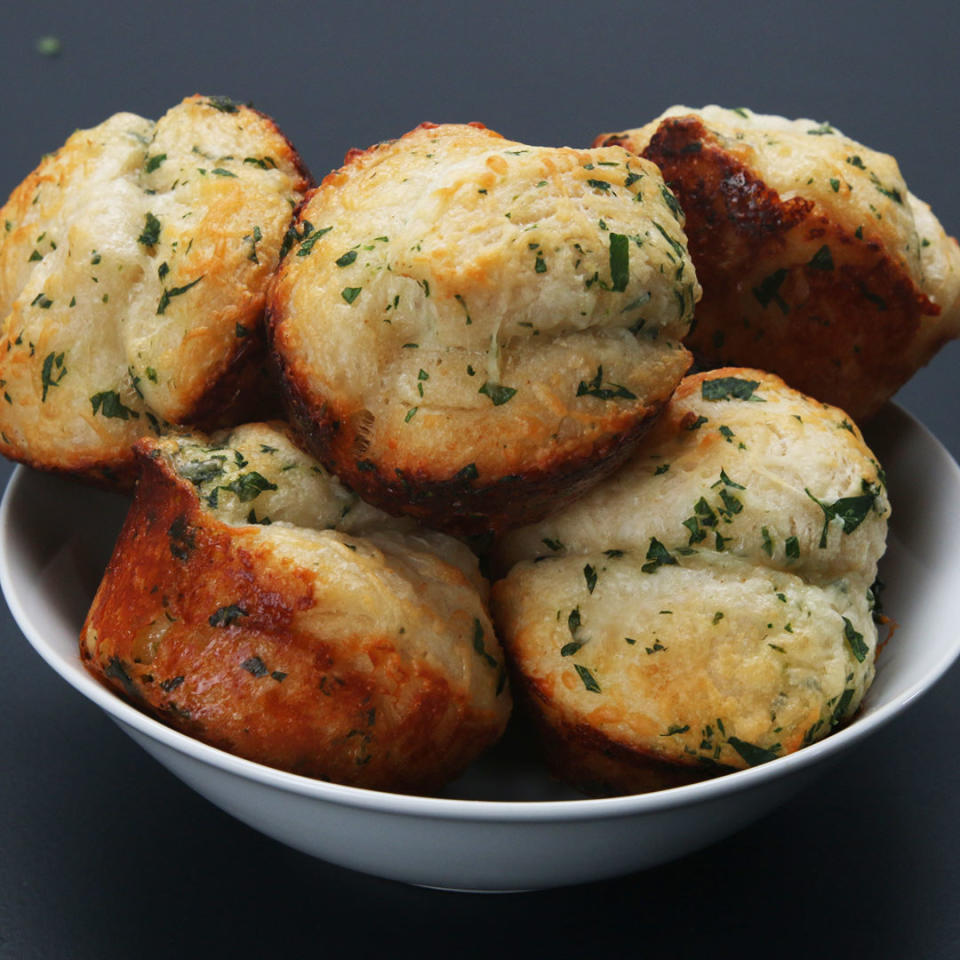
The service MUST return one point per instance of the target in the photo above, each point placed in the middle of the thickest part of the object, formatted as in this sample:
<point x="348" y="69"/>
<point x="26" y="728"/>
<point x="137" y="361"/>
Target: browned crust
<point x="257" y="685"/>
<point x="461" y="498"/>
<point x="244" y="390"/>
<point x="241" y="390"/>
<point x="307" y="179"/>
<point x="844" y="335"/>
<point x="594" y="763"/>
<point x="119" y="475"/>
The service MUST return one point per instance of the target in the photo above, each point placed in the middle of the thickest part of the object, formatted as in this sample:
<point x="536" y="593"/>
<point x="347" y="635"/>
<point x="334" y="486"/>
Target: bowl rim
<point x="447" y="808"/>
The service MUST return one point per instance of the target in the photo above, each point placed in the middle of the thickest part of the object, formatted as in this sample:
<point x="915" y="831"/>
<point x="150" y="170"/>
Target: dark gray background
<point x="103" y="854"/>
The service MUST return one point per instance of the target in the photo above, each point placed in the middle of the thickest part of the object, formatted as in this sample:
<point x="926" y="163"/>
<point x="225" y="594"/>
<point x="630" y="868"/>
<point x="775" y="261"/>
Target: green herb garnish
<point x="151" y="231"/>
<point x="589" y="681"/>
<point x="619" y="262"/>
<point x="751" y="753"/>
<point x="108" y="404"/>
<point x="478" y="645"/>
<point x="168" y="295"/>
<point x="730" y="388"/>
<point x="611" y="391"/>
<point x="657" y="556"/>
<point x="857" y="645"/>
<point x="498" y="394"/>
<point x="226" y="616"/>
<point x="821" y="260"/>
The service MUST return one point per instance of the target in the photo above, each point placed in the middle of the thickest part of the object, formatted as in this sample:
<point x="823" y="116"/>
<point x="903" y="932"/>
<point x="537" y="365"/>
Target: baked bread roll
<point x="469" y="329"/>
<point x="816" y="261"/>
<point x="255" y="603"/>
<point x="133" y="269"/>
<point x="708" y="607"/>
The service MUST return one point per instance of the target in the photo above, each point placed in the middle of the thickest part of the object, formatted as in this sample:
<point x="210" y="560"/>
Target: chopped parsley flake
<point x="619" y="262"/>
<point x="169" y="294"/>
<point x="48" y="46"/>
<point x="852" y="511"/>
<point x="200" y="471"/>
<point x="751" y="753"/>
<point x="463" y="304"/>
<point x="874" y="298"/>
<point x="478" y="645"/>
<point x="768" y="291"/>
<point x="182" y="539"/>
<point x="223" y="104"/>
<point x="841" y="708"/>
<point x="890" y="192"/>
<point x="307" y="238"/>
<point x="151" y="231"/>
<point x="226" y="616"/>
<point x="730" y="388"/>
<point x="249" y="486"/>
<point x="498" y="394"/>
<point x="821" y="260"/>
<point x="253" y="239"/>
<point x="589" y="681"/>
<point x="657" y="556"/>
<point x="611" y="391"/>
<point x="677" y="247"/>
<point x="853" y="637"/>
<point x="767" y="541"/>
<point x="108" y="404"/>
<point x="52" y="372"/>
<point x="255" y="666"/>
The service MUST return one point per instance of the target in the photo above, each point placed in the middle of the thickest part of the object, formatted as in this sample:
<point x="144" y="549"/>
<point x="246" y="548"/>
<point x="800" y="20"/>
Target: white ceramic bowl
<point x="505" y="825"/>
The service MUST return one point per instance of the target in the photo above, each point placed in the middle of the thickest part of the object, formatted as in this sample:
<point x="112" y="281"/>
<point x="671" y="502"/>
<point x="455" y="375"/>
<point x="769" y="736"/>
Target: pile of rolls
<point x="345" y="408"/>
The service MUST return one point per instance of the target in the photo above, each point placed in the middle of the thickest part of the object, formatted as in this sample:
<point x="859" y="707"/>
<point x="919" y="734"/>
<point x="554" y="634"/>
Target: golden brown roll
<point x="133" y="270"/>
<point x="255" y="603"/>
<point x="469" y="329"/>
<point x="707" y="607"/>
<point x="816" y="261"/>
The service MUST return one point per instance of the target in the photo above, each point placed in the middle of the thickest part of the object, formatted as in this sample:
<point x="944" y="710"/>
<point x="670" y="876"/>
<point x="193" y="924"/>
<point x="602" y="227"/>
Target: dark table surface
<point x="104" y="854"/>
